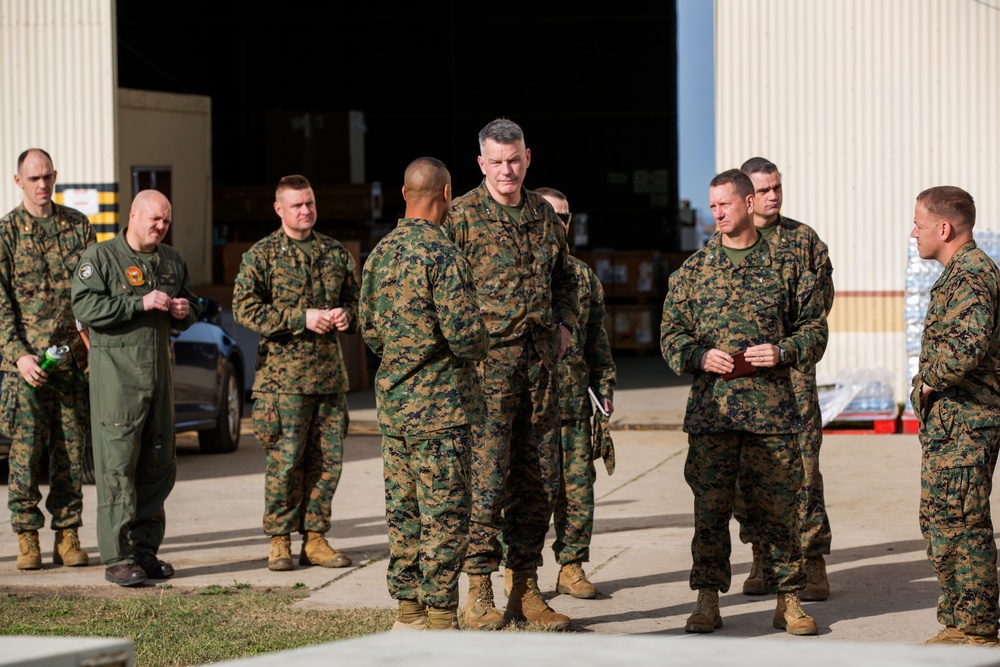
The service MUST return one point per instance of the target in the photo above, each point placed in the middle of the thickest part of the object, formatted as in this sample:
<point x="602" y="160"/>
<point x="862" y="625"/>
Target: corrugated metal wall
<point x="58" y="73"/>
<point x="862" y="104"/>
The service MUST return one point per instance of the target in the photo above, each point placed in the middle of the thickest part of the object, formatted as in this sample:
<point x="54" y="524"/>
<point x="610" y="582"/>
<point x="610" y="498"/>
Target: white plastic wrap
<point x="921" y="274"/>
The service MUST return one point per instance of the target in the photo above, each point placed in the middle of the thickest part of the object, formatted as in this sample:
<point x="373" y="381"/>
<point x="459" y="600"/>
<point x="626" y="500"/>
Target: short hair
<point x="948" y="201"/>
<point x="740" y="181"/>
<point x="502" y="131"/>
<point x="292" y="182"/>
<point x="24" y="156"/>
<point x="426" y="174"/>
<point x="425" y="162"/>
<point x="759" y="165"/>
<point x="551" y="192"/>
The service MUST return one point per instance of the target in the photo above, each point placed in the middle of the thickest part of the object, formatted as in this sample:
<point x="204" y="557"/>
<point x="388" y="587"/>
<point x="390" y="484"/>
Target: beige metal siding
<point x="57" y="67"/>
<point x="862" y="104"/>
<point x="175" y="132"/>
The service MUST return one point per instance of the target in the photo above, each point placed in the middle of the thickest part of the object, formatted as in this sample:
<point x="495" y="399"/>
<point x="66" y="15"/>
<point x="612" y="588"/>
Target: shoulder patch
<point x="86" y="270"/>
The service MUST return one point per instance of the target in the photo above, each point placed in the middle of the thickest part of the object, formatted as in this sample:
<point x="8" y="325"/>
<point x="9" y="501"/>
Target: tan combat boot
<point x="790" y="617"/>
<point x="527" y="604"/>
<point x="29" y="554"/>
<point x="948" y="635"/>
<point x="754" y="585"/>
<point x="573" y="581"/>
<point x="508" y="580"/>
<point x="989" y="641"/>
<point x="817" y="585"/>
<point x="442" y="619"/>
<point x="480" y="610"/>
<point x="280" y="558"/>
<point x="317" y="551"/>
<point x="706" y="616"/>
<point x="410" y="616"/>
<point x="67" y="550"/>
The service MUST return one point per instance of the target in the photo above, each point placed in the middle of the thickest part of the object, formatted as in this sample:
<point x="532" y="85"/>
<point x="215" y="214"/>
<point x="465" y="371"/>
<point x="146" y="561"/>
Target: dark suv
<point x="209" y="388"/>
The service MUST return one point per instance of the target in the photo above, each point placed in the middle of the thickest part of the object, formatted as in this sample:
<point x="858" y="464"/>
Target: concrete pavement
<point x="883" y="589"/>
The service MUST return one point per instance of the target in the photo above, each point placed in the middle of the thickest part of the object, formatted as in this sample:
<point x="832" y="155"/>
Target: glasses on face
<point x="565" y="217"/>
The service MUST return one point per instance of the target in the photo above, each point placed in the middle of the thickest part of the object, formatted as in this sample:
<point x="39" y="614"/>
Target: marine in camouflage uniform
<point x="956" y="395"/>
<point x="38" y="255"/>
<point x="298" y="292"/>
<point x="764" y="306"/>
<point x="518" y="254"/>
<point x="420" y="315"/>
<point x="814" y="257"/>
<point x="586" y="363"/>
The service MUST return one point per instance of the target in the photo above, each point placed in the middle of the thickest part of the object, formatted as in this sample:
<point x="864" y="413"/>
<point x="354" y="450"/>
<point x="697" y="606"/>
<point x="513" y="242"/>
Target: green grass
<point x="172" y="627"/>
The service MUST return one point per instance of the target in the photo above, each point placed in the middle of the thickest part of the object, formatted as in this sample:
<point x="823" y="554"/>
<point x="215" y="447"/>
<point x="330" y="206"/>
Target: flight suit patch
<point x="134" y="275"/>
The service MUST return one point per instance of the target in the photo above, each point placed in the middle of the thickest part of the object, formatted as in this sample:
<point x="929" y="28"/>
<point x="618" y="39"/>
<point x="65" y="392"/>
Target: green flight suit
<point x="131" y="388"/>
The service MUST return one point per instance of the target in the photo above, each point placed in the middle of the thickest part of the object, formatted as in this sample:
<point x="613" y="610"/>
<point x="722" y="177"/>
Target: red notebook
<point x="741" y="367"/>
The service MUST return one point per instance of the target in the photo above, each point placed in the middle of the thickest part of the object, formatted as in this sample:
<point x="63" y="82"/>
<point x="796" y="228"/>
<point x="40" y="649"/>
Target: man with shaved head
<point x="956" y="396"/>
<point x="40" y="245"/>
<point x="132" y="291"/>
<point x="419" y="313"/>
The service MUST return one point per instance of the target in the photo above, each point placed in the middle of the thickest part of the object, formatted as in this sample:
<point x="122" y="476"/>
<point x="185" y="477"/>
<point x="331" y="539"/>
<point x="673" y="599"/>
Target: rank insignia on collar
<point x="134" y="275"/>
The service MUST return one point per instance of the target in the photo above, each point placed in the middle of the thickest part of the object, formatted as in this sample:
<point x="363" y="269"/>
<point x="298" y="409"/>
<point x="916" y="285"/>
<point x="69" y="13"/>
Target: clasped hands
<point x="158" y="300"/>
<point x="760" y="356"/>
<point x="326" y="320"/>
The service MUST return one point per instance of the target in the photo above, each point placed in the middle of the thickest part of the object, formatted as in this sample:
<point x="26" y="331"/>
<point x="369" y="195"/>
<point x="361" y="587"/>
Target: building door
<point x="154" y="178"/>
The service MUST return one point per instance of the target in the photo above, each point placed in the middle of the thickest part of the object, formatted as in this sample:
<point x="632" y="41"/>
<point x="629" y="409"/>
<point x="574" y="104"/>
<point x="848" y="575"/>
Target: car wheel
<point x="224" y="437"/>
<point x="87" y="464"/>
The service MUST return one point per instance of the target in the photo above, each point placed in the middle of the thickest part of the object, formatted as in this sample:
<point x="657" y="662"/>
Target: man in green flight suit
<point x="420" y="315"/>
<point x="131" y="291"/>
<point x="298" y="289"/>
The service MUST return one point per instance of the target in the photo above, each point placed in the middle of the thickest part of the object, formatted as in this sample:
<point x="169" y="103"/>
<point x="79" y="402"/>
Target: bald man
<point x="419" y="313"/>
<point x="131" y="291"/>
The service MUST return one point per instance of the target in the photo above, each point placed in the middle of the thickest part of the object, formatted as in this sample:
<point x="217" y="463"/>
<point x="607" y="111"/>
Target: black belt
<point x="950" y="392"/>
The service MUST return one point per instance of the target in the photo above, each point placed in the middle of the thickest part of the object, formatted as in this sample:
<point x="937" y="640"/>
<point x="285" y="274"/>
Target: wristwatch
<point x="781" y="355"/>
<point x="563" y="324"/>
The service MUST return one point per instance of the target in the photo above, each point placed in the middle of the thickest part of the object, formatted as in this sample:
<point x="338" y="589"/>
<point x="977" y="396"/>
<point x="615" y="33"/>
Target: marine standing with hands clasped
<point x="420" y="315"/>
<point x="298" y="289"/>
<point x="40" y="245"/>
<point x="132" y="291"/>
<point x="956" y="395"/>
<point x="740" y="296"/>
